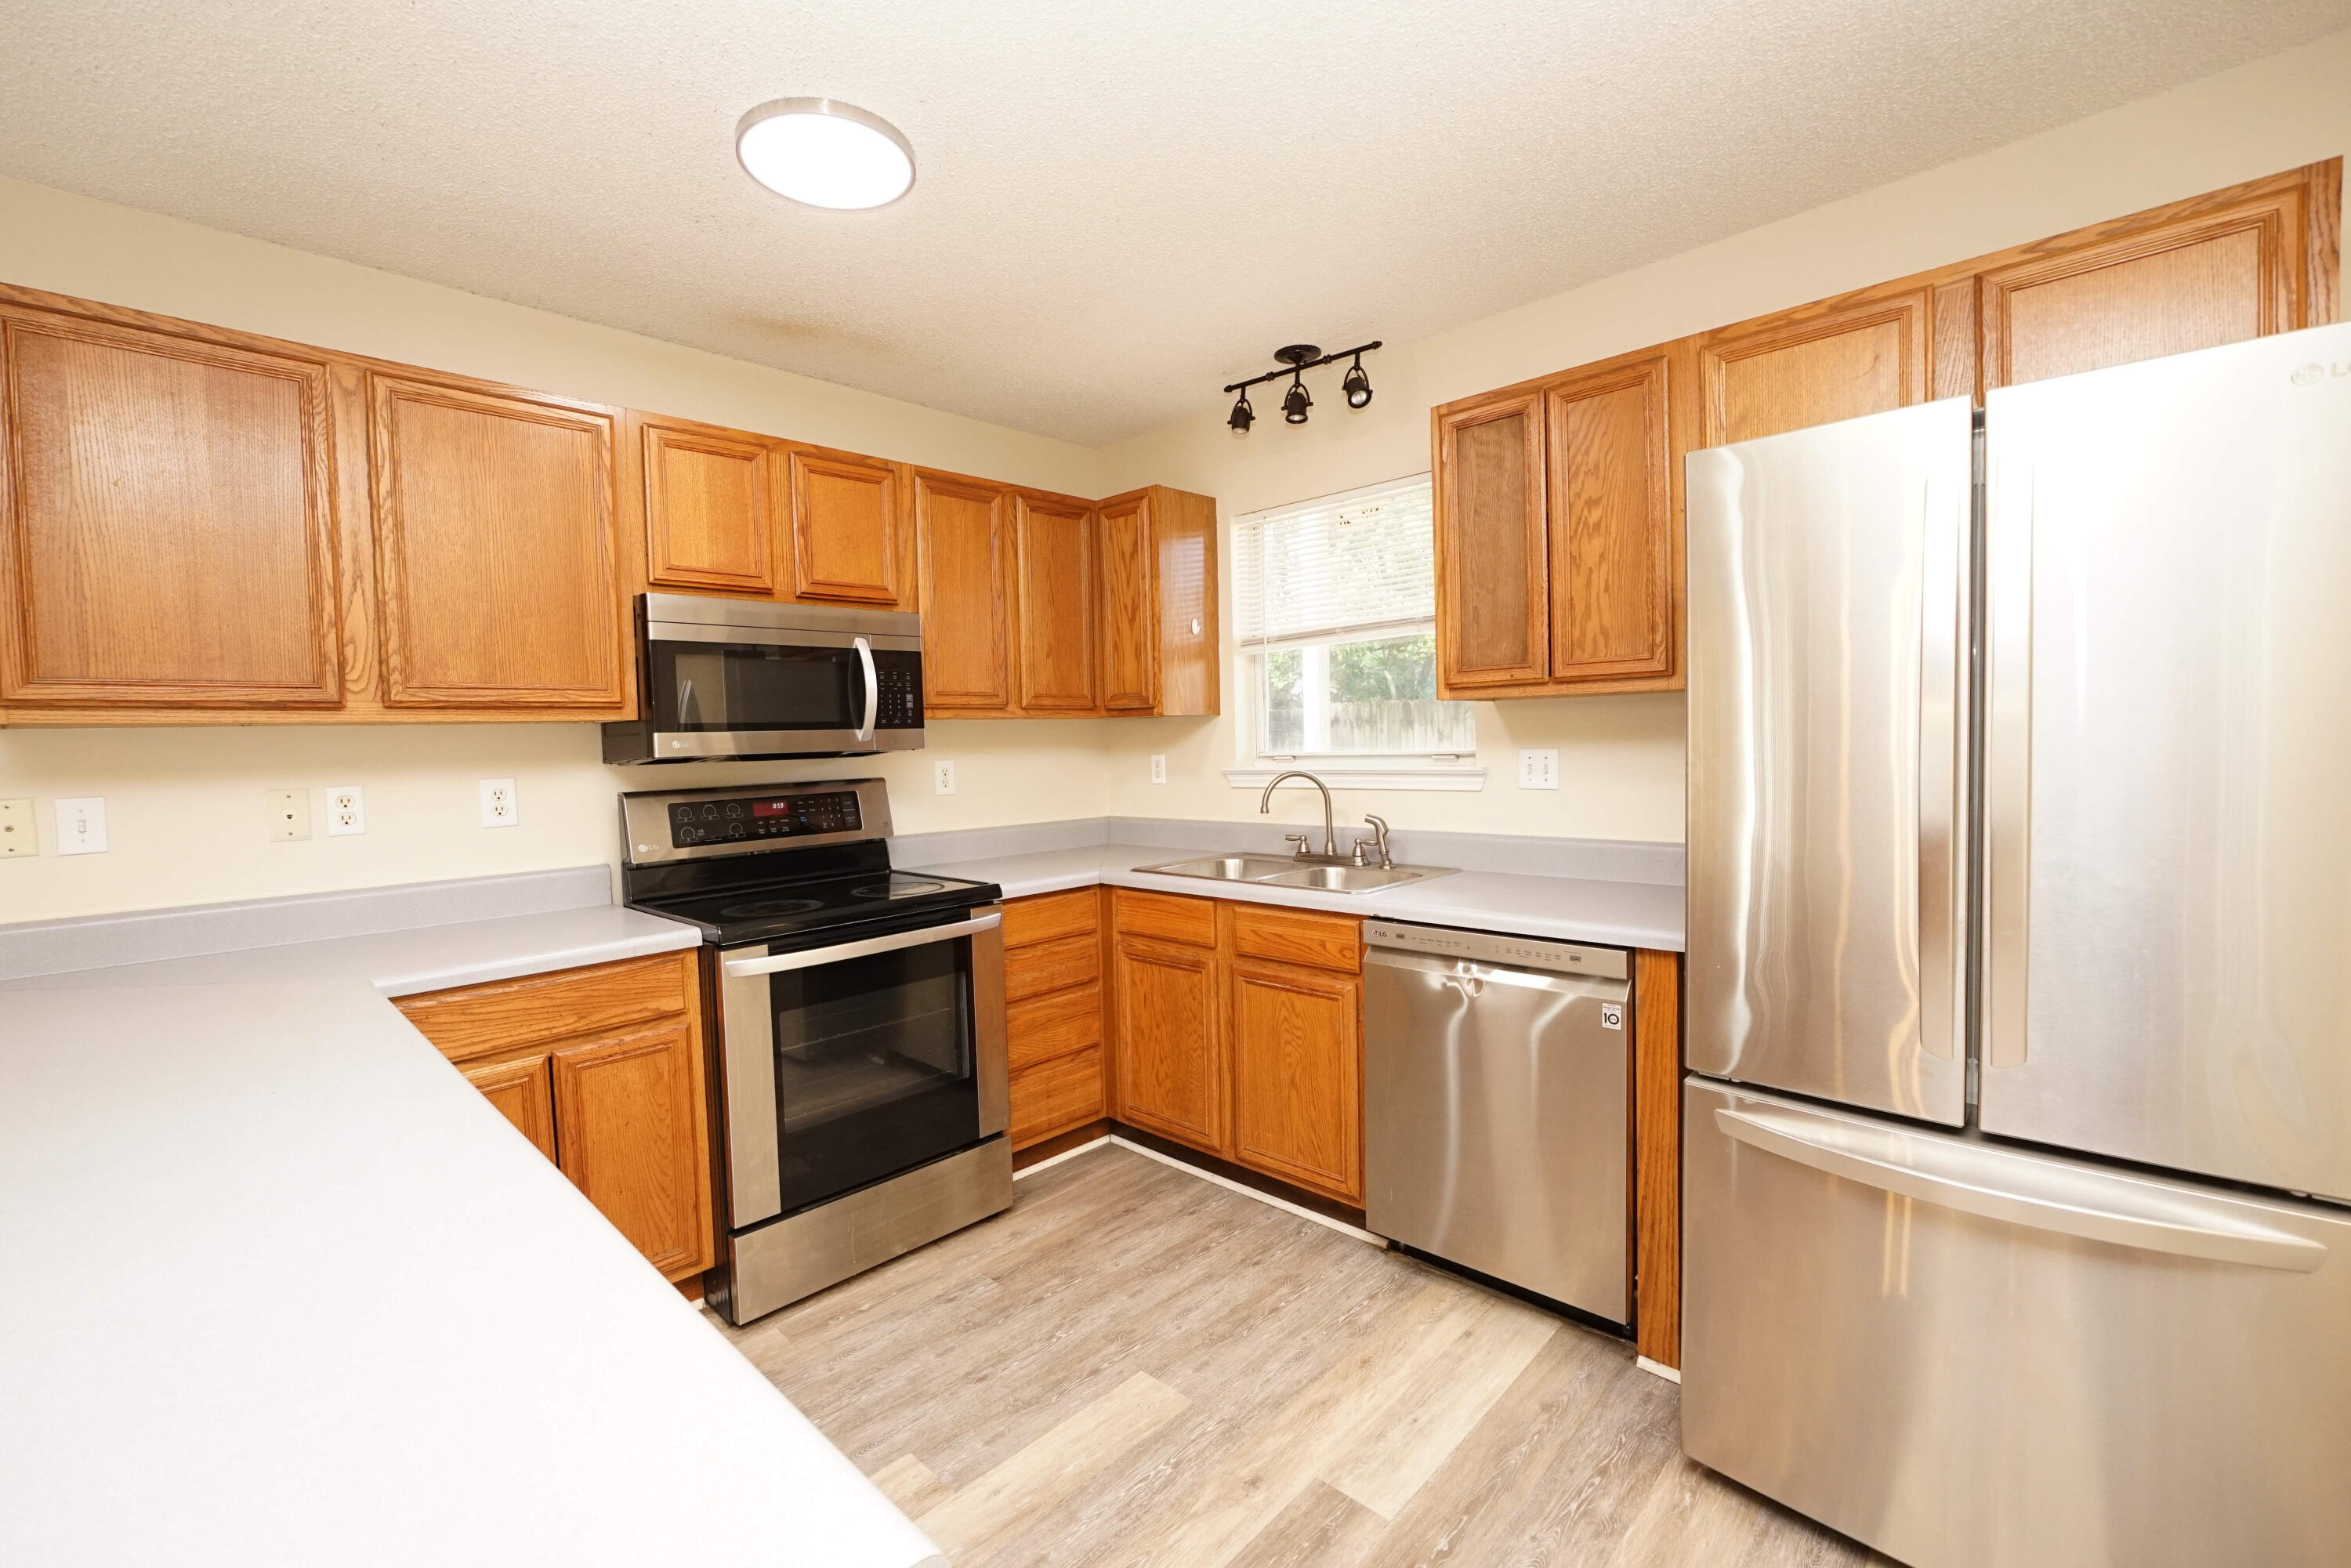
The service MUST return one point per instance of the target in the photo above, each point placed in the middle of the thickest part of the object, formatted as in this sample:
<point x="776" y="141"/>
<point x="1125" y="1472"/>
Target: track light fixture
<point x="1300" y="358"/>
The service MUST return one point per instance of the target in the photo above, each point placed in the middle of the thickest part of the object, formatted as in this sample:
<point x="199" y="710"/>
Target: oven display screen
<point x="763" y="817"/>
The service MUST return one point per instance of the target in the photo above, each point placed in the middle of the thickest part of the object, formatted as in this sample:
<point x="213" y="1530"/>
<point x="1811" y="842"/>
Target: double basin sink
<point x="1272" y="871"/>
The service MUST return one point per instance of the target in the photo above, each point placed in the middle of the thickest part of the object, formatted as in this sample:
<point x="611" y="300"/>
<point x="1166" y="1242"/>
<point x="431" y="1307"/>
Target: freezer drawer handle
<point x="2099" y="1210"/>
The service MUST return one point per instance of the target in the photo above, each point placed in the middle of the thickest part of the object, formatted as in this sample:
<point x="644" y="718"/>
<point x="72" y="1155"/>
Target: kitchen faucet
<point x="1330" y="839"/>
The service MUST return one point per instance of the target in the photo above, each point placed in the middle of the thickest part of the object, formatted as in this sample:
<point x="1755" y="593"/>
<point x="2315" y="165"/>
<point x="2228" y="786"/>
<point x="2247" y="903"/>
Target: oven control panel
<point x="749" y="817"/>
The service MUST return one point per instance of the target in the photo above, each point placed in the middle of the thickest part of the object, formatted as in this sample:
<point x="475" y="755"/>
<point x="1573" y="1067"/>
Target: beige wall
<point x="1620" y="757"/>
<point x="186" y="806"/>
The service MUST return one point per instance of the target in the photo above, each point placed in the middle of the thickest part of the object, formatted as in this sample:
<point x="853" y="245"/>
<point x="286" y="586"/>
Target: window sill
<point x="1370" y="775"/>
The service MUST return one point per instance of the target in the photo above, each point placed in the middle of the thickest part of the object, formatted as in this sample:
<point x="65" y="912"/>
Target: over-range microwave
<point x="726" y="678"/>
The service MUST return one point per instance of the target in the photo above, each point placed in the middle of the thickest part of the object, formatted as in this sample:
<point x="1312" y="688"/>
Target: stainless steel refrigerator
<point x="2017" y="1142"/>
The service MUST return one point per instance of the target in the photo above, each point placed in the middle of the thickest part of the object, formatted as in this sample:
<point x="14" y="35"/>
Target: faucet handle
<point x="1300" y="840"/>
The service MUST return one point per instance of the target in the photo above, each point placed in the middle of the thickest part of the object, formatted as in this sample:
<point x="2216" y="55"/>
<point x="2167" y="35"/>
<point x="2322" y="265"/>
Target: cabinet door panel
<point x="963" y="530"/>
<point x="628" y="1114"/>
<point x="1057" y="608"/>
<point x="2194" y="283"/>
<point x="1612" y="556"/>
<point x="1816" y="364"/>
<point x="167" y="529"/>
<point x="1131" y="612"/>
<point x="1296" y="1053"/>
<point x="1050" y="1026"/>
<point x="708" y="521"/>
<point x="494" y="543"/>
<point x="1492" y="605"/>
<point x="1170" y="1077"/>
<point x="523" y="1089"/>
<point x="844" y="528"/>
<point x="1056" y="1096"/>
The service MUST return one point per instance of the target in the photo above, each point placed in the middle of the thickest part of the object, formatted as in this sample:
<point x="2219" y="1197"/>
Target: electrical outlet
<point x="500" y="809"/>
<point x="289" y="815"/>
<point x="942" y="778"/>
<point x="346" y="810"/>
<point x="18" y="834"/>
<point x="81" y="826"/>
<point x="1158" y="768"/>
<point x="1538" y="769"/>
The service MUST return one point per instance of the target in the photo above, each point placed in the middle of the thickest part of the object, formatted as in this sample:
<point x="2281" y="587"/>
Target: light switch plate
<point x="19" y="835"/>
<point x="1158" y="768"/>
<point x="1538" y="769"/>
<point x="346" y="810"/>
<point x="289" y="815"/>
<point x="942" y="778"/>
<point x="501" y="808"/>
<point x="81" y="825"/>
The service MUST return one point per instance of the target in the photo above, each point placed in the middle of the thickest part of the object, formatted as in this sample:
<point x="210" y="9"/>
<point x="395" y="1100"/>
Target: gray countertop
<point x="1575" y="909"/>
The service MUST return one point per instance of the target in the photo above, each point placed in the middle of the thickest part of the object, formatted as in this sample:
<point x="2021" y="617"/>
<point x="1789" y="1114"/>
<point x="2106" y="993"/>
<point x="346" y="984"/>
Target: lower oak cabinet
<point x="601" y="1067"/>
<point x="1053" y="1012"/>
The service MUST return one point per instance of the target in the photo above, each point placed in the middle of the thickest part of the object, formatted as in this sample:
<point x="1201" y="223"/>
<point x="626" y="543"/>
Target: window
<point x="1335" y="615"/>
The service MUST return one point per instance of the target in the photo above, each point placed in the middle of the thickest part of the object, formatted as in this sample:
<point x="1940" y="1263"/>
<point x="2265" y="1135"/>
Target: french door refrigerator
<point x="2017" y="1138"/>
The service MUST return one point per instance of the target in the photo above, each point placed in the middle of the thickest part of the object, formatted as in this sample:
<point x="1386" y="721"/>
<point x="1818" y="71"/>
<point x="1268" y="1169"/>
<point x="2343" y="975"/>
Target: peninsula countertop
<point x="1574" y="909"/>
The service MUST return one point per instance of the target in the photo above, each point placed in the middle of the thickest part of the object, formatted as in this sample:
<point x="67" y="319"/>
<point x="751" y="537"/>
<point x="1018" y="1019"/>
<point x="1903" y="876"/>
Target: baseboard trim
<point x="1050" y="1161"/>
<point x="1341" y="1225"/>
<point x="1670" y="1374"/>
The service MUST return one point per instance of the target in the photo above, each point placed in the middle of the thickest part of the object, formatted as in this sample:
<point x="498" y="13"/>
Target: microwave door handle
<point x="873" y="688"/>
<point x="736" y="968"/>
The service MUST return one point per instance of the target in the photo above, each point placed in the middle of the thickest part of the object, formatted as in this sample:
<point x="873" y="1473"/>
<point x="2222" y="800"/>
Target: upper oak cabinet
<point x="1158" y="599"/>
<point x="1056" y="541"/>
<point x="708" y="508"/>
<point x="497" y="584"/>
<point x="846" y="548"/>
<point x="1559" y="508"/>
<point x="170" y="534"/>
<point x="964" y="533"/>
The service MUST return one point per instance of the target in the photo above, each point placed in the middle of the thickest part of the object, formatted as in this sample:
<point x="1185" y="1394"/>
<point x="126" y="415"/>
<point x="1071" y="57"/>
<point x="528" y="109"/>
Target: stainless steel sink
<point x="1270" y="870"/>
<point x="1225" y="868"/>
<point x="1350" y="878"/>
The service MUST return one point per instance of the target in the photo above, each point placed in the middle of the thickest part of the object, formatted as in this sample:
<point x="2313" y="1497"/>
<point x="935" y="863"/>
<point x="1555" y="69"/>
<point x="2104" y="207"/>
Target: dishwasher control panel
<point x="1490" y="948"/>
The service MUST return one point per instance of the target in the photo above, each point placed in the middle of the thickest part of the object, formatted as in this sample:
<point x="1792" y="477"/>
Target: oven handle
<point x="873" y="688"/>
<point x="736" y="968"/>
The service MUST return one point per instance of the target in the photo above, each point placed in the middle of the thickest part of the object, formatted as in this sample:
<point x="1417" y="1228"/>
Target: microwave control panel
<point x="899" y="704"/>
<point x="750" y="817"/>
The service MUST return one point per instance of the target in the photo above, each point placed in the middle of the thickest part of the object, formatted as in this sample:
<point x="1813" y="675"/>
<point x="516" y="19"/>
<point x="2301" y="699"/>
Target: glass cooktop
<point x="754" y="913"/>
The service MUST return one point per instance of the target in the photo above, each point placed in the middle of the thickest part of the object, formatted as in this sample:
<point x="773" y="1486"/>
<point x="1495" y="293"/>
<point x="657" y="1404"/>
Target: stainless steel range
<point x="860" y="1096"/>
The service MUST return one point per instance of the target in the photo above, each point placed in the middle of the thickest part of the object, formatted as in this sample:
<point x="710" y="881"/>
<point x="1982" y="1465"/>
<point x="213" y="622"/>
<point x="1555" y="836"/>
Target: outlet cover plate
<point x="500" y="806"/>
<point x="1158" y="768"/>
<point x="346" y="810"/>
<point x="81" y="825"/>
<point x="942" y="778"/>
<point x="19" y="834"/>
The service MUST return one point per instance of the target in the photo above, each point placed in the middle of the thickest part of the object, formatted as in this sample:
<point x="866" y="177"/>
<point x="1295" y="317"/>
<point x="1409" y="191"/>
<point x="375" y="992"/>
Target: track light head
<point x="1295" y="402"/>
<point x="1357" y="385"/>
<point x="1242" y="416"/>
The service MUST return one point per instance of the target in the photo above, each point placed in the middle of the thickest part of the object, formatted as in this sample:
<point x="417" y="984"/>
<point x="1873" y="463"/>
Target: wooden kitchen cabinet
<point x="1158" y="600"/>
<point x="963" y="530"/>
<point x="496" y="582"/>
<point x="1860" y="354"/>
<point x="846" y="525"/>
<point x="1058" y="609"/>
<point x="168" y="528"/>
<point x="602" y="1069"/>
<point x="1167" y="1010"/>
<point x="1294" y="1019"/>
<point x="1493" y="569"/>
<point x="709" y="509"/>
<point x="1053" y="1013"/>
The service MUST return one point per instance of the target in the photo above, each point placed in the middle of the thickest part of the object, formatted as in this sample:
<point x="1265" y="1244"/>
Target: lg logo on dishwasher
<point x="2310" y="375"/>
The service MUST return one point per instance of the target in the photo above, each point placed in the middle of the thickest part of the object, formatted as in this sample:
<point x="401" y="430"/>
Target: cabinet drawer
<point x="1029" y="921"/>
<point x="1169" y="917"/>
<point x="475" y="1020"/>
<point x="1057" y="1096"/>
<point x="1054" y="966"/>
<point x="1052" y="1026"/>
<point x="1298" y="936"/>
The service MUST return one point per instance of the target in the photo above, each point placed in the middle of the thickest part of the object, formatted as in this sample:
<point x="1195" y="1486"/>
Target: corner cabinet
<point x="601" y="1069"/>
<point x="1558" y="532"/>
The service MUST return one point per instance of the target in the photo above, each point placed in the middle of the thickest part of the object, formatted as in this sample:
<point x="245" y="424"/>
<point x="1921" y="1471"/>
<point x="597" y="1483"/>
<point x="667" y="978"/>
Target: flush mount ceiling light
<point x="822" y="152"/>
<point x="1300" y="358"/>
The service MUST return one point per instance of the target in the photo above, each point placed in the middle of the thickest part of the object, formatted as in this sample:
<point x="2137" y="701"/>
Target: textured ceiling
<point x="1118" y="207"/>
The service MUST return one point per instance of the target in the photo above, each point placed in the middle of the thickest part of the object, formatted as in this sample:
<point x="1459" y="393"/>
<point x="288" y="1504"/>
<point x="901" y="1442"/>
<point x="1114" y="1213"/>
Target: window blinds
<point x="1346" y="565"/>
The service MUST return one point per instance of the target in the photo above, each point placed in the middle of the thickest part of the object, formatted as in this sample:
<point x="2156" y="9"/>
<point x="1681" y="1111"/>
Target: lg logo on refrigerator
<point x="2310" y="375"/>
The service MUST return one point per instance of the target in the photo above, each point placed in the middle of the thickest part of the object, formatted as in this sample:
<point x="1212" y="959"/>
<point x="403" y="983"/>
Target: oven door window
<point x="754" y="687"/>
<point x="874" y="1067"/>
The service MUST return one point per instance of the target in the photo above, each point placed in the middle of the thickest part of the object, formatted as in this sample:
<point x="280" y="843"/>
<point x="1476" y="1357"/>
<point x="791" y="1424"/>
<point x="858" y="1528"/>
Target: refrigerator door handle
<point x="2021" y="1190"/>
<point x="2008" y="761"/>
<point x="1942" y="611"/>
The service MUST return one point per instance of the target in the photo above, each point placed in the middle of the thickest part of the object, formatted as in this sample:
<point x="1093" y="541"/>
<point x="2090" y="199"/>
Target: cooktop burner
<point x="899" y="887"/>
<point x="771" y="906"/>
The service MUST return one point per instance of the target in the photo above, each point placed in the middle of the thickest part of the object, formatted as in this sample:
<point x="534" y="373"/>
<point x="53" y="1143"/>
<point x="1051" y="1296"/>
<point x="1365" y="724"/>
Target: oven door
<point x="854" y="1062"/>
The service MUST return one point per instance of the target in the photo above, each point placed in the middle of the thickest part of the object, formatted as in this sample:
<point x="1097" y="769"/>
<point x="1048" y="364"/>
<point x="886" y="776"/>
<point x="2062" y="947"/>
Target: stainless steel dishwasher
<point x="1494" y="1085"/>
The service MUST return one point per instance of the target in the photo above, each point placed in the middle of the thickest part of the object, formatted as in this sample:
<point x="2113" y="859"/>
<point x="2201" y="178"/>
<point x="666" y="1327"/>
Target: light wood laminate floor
<point x="1134" y="1366"/>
